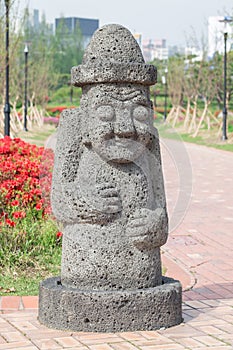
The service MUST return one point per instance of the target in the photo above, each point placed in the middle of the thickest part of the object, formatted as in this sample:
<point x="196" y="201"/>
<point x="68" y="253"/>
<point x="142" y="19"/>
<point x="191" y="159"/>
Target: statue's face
<point x="120" y="120"/>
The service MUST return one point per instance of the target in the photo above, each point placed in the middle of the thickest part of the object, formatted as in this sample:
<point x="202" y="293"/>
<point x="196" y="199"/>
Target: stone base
<point x="109" y="311"/>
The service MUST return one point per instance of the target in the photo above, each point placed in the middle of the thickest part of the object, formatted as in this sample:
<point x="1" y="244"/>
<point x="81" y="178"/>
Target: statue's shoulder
<point x="71" y="124"/>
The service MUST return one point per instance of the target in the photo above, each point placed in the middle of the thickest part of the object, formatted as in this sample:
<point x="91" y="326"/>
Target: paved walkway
<point x="199" y="252"/>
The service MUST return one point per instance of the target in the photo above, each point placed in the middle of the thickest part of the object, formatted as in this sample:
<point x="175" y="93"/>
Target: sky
<point x="177" y="21"/>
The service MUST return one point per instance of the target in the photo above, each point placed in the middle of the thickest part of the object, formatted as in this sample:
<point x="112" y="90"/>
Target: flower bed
<point x="26" y="225"/>
<point x="56" y="111"/>
<point x="51" y="120"/>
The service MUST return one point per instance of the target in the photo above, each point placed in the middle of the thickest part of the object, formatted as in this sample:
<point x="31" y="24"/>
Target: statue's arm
<point x="75" y="195"/>
<point x="149" y="226"/>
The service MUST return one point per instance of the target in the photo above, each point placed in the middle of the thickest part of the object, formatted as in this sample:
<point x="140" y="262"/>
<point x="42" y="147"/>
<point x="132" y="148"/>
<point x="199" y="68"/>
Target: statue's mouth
<point x="123" y="142"/>
<point x="122" y="150"/>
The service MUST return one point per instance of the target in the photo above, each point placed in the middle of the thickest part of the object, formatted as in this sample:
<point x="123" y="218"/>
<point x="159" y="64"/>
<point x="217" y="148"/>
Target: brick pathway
<point x="199" y="252"/>
<point x="203" y="242"/>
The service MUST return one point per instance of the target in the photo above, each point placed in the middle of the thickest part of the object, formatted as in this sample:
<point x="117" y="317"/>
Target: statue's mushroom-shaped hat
<point x="113" y="56"/>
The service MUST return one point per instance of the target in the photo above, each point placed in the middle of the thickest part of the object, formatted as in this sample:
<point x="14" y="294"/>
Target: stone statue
<point x="108" y="189"/>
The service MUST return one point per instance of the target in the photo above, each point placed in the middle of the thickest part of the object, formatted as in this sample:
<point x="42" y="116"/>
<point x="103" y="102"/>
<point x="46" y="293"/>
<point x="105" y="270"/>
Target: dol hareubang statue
<point x="108" y="192"/>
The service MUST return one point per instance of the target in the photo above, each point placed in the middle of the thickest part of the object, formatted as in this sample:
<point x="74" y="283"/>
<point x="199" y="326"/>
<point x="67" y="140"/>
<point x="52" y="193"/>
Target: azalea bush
<point x="56" y="111"/>
<point x="29" y="235"/>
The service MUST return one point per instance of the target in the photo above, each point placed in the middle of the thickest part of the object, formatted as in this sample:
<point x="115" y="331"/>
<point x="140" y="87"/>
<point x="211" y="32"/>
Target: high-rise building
<point x="155" y="49"/>
<point x="215" y="35"/>
<point x="33" y="24"/>
<point x="174" y="50"/>
<point x="87" y="26"/>
<point x="36" y="21"/>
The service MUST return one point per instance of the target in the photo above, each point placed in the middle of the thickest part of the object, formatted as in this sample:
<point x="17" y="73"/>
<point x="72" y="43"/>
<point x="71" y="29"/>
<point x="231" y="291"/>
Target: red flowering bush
<point x="26" y="224"/>
<point x="56" y="111"/>
<point x="20" y="172"/>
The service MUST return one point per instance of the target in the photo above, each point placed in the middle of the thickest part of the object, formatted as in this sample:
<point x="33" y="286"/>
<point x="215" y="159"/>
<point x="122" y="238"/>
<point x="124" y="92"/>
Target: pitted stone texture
<point x="113" y="43"/>
<point x="100" y="258"/>
<point x="108" y="192"/>
<point x="116" y="311"/>
<point x="113" y="55"/>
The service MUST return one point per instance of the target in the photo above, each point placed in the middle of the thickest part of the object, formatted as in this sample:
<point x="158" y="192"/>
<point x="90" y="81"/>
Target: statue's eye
<point x="105" y="113"/>
<point x="140" y="113"/>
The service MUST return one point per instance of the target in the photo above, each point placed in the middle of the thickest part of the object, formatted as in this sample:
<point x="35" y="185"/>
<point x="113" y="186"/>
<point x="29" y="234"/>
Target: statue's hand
<point x="107" y="199"/>
<point x="148" y="228"/>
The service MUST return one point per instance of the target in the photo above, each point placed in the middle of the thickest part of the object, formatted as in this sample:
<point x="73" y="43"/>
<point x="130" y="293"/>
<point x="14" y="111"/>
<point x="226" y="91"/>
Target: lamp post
<point x="164" y="81"/>
<point x="25" y="88"/>
<point x="7" y="103"/>
<point x="226" y="20"/>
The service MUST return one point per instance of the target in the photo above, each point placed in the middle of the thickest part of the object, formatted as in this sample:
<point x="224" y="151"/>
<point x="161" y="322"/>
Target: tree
<point x="40" y="60"/>
<point x="67" y="49"/>
<point x="207" y="91"/>
<point x="175" y="87"/>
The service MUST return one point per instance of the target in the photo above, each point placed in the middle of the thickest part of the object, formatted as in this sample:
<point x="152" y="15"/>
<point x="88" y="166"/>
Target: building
<point x="175" y="50"/>
<point x="194" y="54"/>
<point x="36" y="21"/>
<point x="154" y="49"/>
<point x="215" y="35"/>
<point x="70" y="24"/>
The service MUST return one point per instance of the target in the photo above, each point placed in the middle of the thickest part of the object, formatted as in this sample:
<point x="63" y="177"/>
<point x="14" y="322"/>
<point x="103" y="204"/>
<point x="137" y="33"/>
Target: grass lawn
<point x="38" y="135"/>
<point x="25" y="279"/>
<point x="205" y="138"/>
<point x="19" y="281"/>
<point x="25" y="261"/>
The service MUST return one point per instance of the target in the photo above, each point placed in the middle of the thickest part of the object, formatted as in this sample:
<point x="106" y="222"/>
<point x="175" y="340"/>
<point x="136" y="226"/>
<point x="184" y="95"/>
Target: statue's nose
<point x="124" y="126"/>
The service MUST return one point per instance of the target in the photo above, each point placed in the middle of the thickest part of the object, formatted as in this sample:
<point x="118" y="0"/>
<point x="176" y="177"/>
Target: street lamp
<point x="226" y="20"/>
<point x="164" y="81"/>
<point x="7" y="103"/>
<point x="25" y="88"/>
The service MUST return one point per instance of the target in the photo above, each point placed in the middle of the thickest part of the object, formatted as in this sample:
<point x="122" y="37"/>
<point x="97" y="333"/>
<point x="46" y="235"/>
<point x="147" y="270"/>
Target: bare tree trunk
<point x="170" y="114"/>
<point x="15" y="114"/>
<point x="201" y="119"/>
<point x="187" y="116"/>
<point x="193" y="121"/>
<point x="176" y="116"/>
<point x="213" y="117"/>
<point x="219" y="130"/>
<point x="208" y="122"/>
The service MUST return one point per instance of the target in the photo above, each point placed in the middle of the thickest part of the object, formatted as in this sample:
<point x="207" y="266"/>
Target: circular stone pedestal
<point x="109" y="311"/>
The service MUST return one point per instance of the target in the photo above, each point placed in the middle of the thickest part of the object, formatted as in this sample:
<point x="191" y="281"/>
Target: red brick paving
<point x="199" y="252"/>
<point x="30" y="302"/>
<point x="10" y="302"/>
